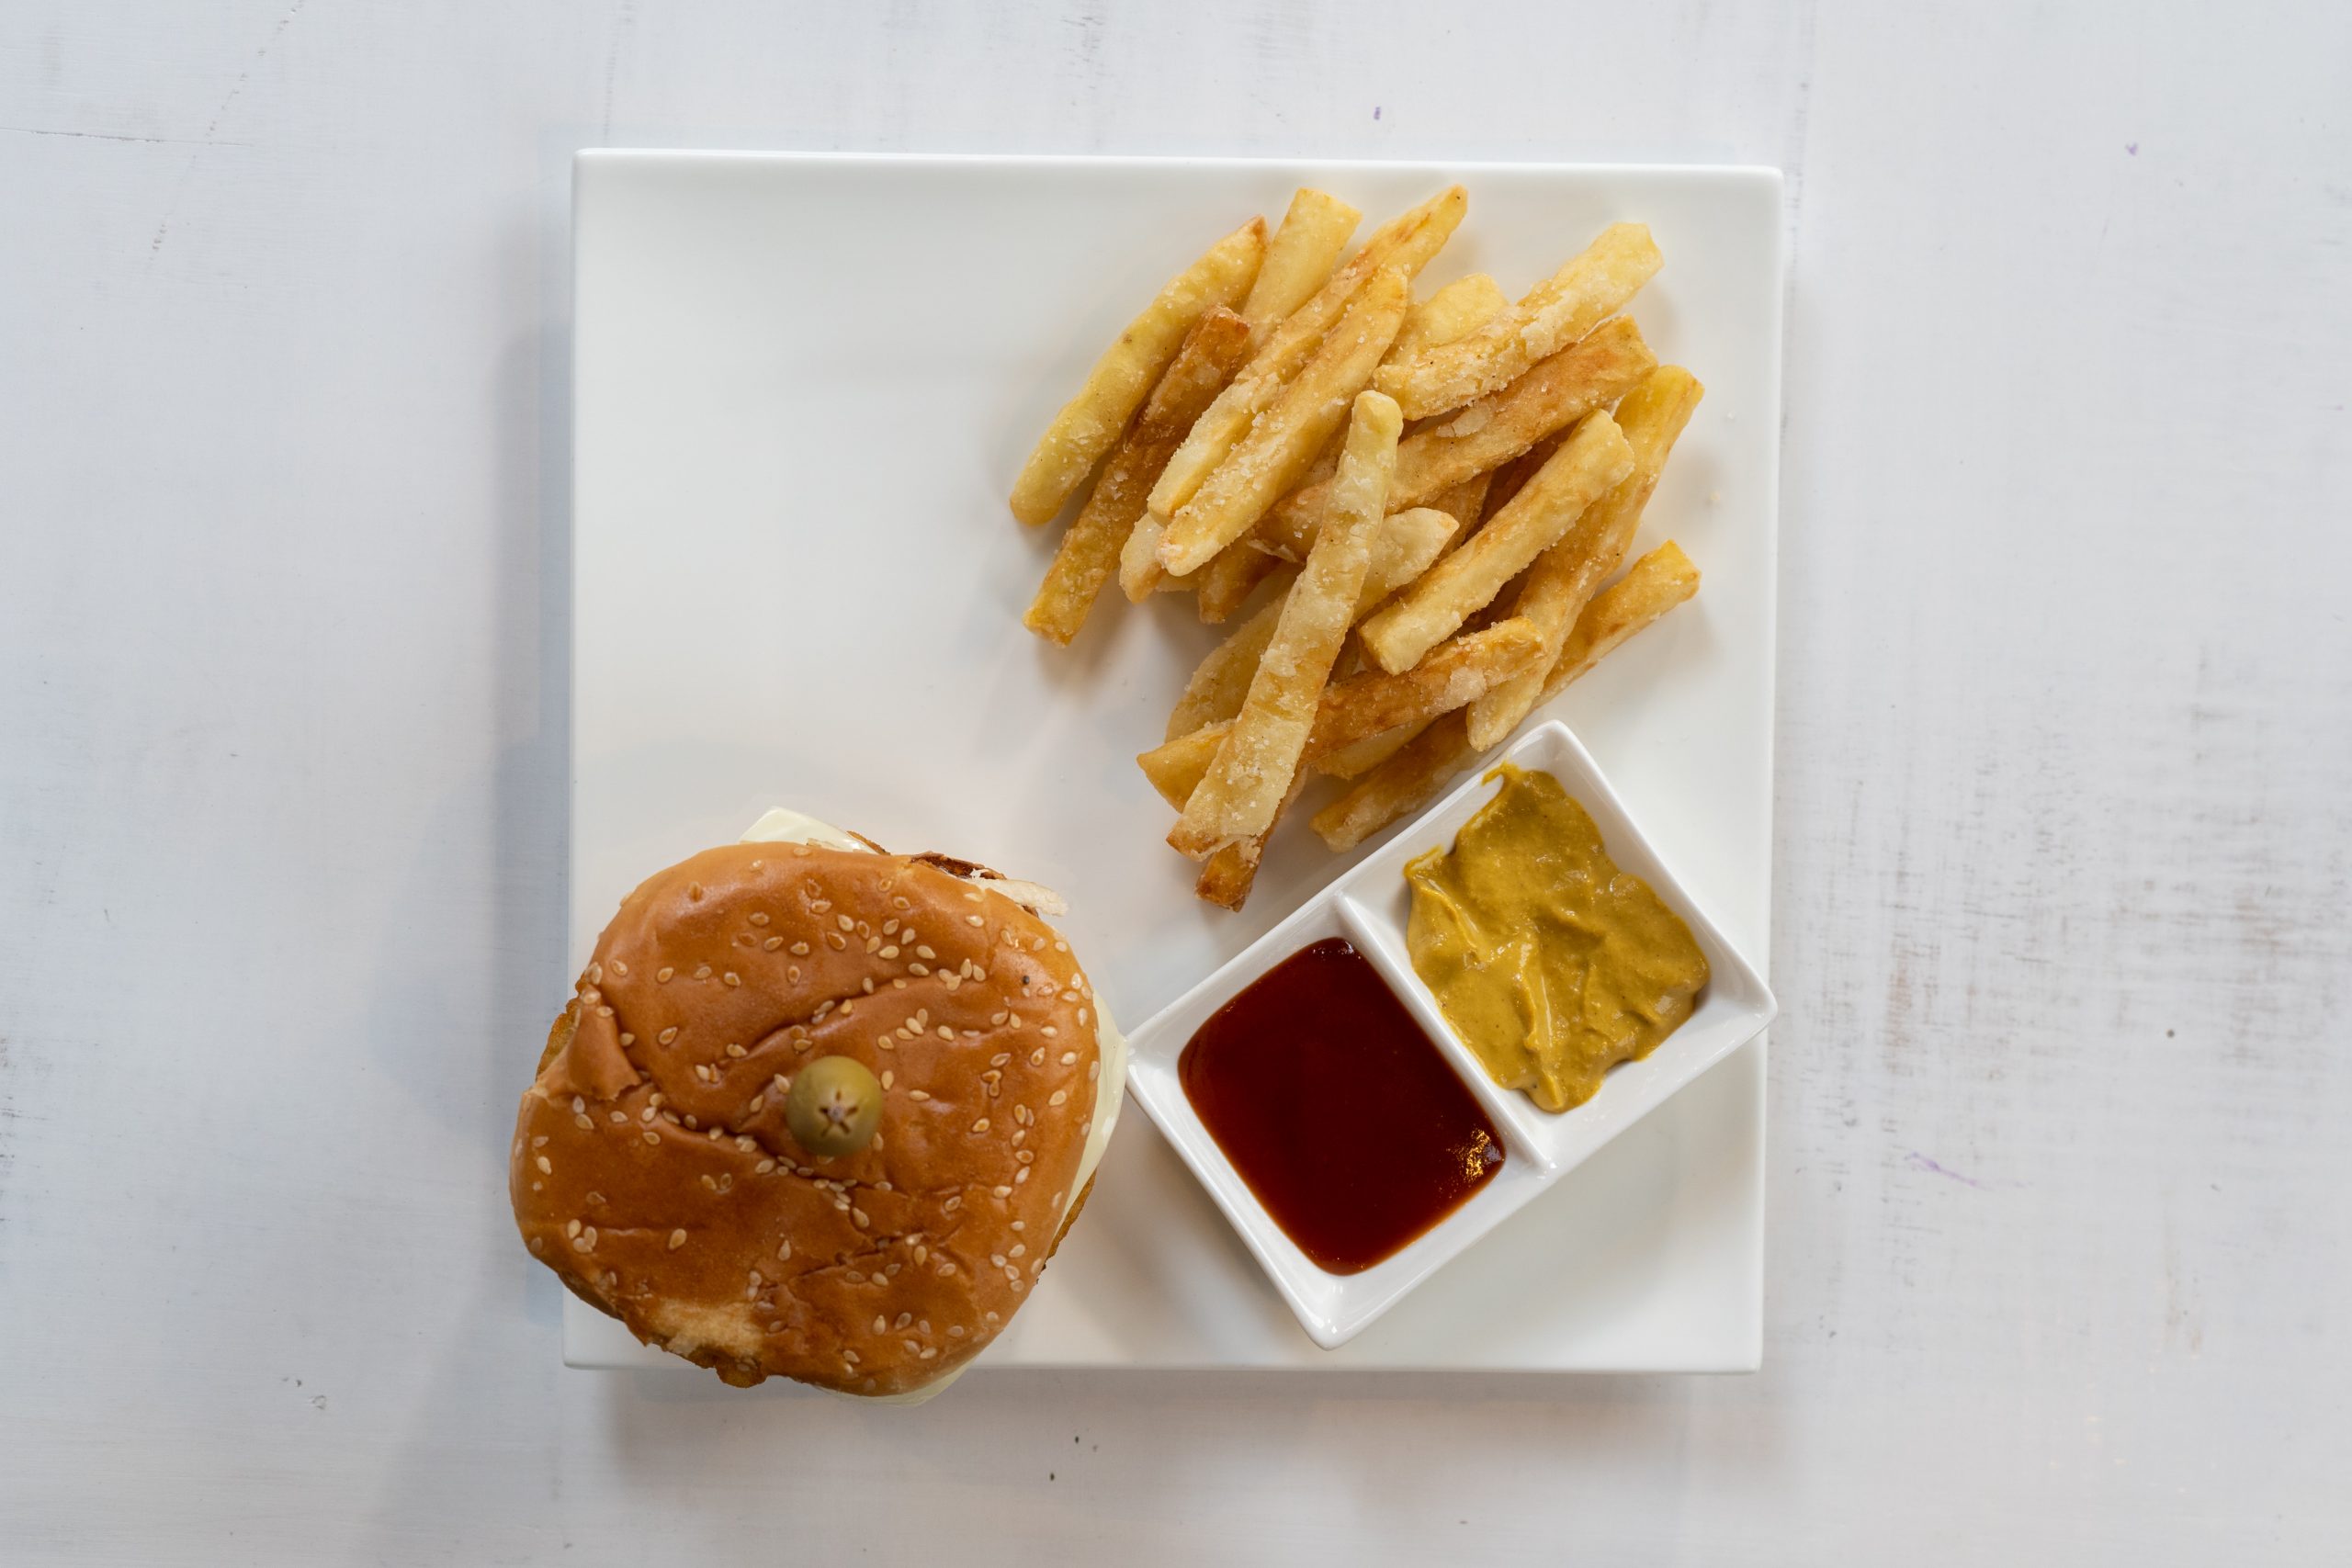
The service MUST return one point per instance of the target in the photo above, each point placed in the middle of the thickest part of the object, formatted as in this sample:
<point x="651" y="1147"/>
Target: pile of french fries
<point x="1440" y="490"/>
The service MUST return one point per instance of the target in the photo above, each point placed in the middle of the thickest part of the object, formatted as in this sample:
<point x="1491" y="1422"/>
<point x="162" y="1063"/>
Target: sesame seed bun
<point x="653" y="1168"/>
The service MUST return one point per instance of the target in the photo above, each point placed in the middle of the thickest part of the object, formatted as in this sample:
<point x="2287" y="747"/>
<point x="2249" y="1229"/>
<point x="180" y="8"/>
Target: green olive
<point x="834" y="1107"/>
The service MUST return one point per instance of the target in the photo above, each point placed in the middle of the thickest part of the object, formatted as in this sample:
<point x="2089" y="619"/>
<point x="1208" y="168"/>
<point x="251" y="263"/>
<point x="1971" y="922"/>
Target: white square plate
<point x="1370" y="908"/>
<point x="802" y="386"/>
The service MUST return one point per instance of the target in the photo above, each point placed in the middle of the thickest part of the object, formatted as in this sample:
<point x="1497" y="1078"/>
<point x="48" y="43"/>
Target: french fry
<point x="1089" y="551"/>
<point x="1299" y="258"/>
<point x="1227" y="581"/>
<point x="1349" y="762"/>
<point x="1090" y="422"/>
<point x="1402" y="548"/>
<point x="1139" y="568"/>
<point x="1405" y="242"/>
<point x="1594" y="373"/>
<point x="1287" y="436"/>
<point x="1512" y="476"/>
<point x="1466" y="504"/>
<point x="1592" y="285"/>
<point x="1566" y="577"/>
<point x="1585" y="466"/>
<point x="1404" y="783"/>
<point x="1259" y="759"/>
<point x="1226" y="878"/>
<point x="1446" y="315"/>
<point x="1652" y="586"/>
<point x="1455" y="673"/>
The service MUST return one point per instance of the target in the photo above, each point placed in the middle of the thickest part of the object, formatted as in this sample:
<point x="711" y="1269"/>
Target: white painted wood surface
<point x="2061" y="1236"/>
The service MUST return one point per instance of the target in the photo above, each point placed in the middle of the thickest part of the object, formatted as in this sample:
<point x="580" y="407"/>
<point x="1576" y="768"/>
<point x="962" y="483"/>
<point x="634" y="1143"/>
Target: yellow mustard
<point x="1550" y="963"/>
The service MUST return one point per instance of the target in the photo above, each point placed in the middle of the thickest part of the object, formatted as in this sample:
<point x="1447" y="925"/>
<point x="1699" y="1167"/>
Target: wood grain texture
<point x="2060" y="1234"/>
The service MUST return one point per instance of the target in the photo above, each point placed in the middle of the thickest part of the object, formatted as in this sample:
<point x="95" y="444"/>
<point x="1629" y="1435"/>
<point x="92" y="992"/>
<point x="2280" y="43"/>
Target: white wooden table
<point x="2060" y="1230"/>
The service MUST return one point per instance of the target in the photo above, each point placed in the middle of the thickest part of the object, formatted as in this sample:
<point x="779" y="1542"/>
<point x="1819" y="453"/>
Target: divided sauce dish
<point x="1369" y="907"/>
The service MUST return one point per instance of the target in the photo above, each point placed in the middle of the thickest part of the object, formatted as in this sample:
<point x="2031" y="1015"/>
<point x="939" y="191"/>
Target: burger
<point x="819" y="1111"/>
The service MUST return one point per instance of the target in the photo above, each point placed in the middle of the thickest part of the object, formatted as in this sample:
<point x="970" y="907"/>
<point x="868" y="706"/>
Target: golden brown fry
<point x="1403" y="547"/>
<point x="1256" y="764"/>
<point x="1285" y="438"/>
<point x="1592" y="285"/>
<point x="1407" y="782"/>
<point x="1090" y="550"/>
<point x="1089" y="424"/>
<point x="1652" y="586"/>
<point x="1512" y="476"/>
<point x="1567" y="575"/>
<point x="1363" y="706"/>
<point x="1227" y="581"/>
<point x="1593" y="374"/>
<point x="1299" y="258"/>
<point x="1349" y="762"/>
<point x="1230" y="873"/>
<point x="1446" y="315"/>
<point x="1405" y="243"/>
<point x="1139" y="569"/>
<point x="1585" y="467"/>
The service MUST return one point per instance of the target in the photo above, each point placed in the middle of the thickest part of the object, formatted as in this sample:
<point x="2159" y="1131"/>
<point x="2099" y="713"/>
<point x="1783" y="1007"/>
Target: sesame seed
<point x="1018" y="1248"/>
<point x="945" y="1032"/>
<point x="1021" y="1175"/>
<point x="1070" y="1059"/>
<point x="702" y="972"/>
<point x="1050" y="1032"/>
<point x="662" y="975"/>
<point x="974" y="920"/>
<point x="846" y="923"/>
<point x="619" y="1118"/>
<point x="955" y="1331"/>
<point x="881" y="1323"/>
<point x="833" y="940"/>
<point x="547" y="1165"/>
<point x="734" y="979"/>
<point x="859" y="1215"/>
<point x="901" y="903"/>
<point x="764" y="1168"/>
<point x="693" y="891"/>
<point x="759" y="918"/>
<point x="944" y="1270"/>
<point x="800" y="950"/>
<point x="917" y="1094"/>
<point x="1024" y="1155"/>
<point x="668" y="1034"/>
<point x="582" y="1122"/>
<point x="1000" y="1192"/>
<point x="1037" y="1058"/>
<point x="953" y="1203"/>
<point x="1060" y="946"/>
<point x="918" y="969"/>
<point x="981" y="1125"/>
<point x="1058" y="1096"/>
<point x="677" y="1240"/>
<point x="737" y="1052"/>
<point x="1093" y="1071"/>
<point x="784" y="1249"/>
<point x="654" y="1139"/>
<point x="992" y="1317"/>
<point x="890" y="952"/>
<point x="999" y="1017"/>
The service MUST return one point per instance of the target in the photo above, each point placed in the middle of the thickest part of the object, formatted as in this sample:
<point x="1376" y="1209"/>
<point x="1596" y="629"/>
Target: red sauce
<point x="1336" y="1109"/>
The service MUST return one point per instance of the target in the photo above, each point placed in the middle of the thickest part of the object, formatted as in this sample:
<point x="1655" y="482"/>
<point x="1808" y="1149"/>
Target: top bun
<point x="653" y="1167"/>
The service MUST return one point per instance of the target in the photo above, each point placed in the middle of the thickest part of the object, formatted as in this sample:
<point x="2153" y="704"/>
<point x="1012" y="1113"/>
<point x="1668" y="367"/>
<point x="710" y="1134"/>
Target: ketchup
<point x="1336" y="1109"/>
